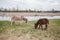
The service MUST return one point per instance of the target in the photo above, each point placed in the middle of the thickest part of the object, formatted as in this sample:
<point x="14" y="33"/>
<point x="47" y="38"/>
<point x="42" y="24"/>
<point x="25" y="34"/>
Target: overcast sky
<point x="31" y="4"/>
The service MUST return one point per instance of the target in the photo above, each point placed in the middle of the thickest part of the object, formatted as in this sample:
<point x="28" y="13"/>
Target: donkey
<point x="18" y="18"/>
<point x="40" y="22"/>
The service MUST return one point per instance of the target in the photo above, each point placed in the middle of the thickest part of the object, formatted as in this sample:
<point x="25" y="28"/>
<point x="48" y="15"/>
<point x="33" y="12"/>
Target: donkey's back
<point x="43" y="21"/>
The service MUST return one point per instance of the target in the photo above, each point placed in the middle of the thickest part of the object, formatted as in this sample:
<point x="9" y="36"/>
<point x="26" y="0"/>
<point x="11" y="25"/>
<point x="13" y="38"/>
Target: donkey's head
<point x="35" y="25"/>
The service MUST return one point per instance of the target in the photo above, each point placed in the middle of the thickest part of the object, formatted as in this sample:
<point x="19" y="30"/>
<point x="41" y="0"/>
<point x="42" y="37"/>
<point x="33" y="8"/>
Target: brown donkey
<point x="40" y="22"/>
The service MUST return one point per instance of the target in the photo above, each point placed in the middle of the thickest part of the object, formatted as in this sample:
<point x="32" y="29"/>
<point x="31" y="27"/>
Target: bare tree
<point x="53" y="10"/>
<point x="0" y="9"/>
<point x="5" y="9"/>
<point x="13" y="9"/>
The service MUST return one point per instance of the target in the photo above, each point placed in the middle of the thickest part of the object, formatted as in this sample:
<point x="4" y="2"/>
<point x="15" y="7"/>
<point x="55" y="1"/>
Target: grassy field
<point x="26" y="31"/>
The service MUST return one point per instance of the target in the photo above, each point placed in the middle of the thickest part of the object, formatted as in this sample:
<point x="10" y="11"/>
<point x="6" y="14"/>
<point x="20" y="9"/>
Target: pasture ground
<point x="26" y="31"/>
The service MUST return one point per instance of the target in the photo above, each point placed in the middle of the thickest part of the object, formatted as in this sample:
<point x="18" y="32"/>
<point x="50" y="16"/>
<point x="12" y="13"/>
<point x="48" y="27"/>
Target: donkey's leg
<point x="11" y="22"/>
<point x="41" y="27"/>
<point x="46" y="26"/>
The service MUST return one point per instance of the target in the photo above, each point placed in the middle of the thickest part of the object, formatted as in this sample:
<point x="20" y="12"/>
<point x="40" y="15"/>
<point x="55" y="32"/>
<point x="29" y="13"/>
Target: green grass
<point x="55" y="27"/>
<point x="55" y="22"/>
<point x="24" y="28"/>
<point x="4" y="25"/>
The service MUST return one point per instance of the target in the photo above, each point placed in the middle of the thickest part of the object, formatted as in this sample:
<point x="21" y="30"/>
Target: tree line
<point x="17" y="10"/>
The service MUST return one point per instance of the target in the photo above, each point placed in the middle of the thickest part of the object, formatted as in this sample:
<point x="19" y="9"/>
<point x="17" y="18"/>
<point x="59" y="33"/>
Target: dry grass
<point x="25" y="31"/>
